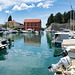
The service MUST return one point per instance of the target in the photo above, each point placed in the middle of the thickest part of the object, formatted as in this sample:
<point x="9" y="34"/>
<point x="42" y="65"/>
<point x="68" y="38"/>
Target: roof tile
<point x="32" y="20"/>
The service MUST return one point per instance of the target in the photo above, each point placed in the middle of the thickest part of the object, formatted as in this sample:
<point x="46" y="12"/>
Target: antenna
<point x="71" y="12"/>
<point x="70" y="17"/>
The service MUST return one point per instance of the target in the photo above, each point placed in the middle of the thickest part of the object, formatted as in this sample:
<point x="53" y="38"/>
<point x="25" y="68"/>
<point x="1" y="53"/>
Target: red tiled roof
<point x="11" y="21"/>
<point x="32" y="20"/>
<point x="14" y="21"/>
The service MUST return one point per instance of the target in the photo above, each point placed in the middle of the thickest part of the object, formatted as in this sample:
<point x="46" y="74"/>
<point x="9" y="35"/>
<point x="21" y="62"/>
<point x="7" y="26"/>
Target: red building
<point x="34" y="24"/>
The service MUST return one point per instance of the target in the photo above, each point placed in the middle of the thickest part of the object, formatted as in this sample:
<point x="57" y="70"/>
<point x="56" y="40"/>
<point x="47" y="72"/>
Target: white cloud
<point x="40" y="4"/>
<point x="16" y="7"/>
<point x="31" y="1"/>
<point x="45" y="4"/>
<point x="7" y="11"/>
<point x="0" y="9"/>
<point x="4" y="4"/>
<point x="23" y="6"/>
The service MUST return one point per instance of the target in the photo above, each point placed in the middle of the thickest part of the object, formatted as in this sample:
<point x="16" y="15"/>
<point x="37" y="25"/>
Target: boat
<point x="6" y="32"/>
<point x="3" y="31"/>
<point x="3" y="43"/>
<point x="71" y="33"/>
<point x="70" y="69"/>
<point x="36" y="32"/>
<point x="14" y="31"/>
<point x="64" y="67"/>
<point x="28" y="31"/>
<point x="69" y="46"/>
<point x="59" y="36"/>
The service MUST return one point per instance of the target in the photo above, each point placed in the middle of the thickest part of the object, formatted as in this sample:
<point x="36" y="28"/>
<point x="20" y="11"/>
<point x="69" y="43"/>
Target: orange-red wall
<point x="35" y="26"/>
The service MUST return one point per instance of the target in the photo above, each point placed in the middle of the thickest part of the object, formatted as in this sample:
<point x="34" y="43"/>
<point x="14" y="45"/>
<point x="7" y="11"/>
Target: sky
<point x="33" y="9"/>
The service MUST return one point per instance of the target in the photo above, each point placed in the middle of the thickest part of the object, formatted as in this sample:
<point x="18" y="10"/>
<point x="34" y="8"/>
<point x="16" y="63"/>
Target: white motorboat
<point x="28" y="31"/>
<point x="14" y="31"/>
<point x="64" y="67"/>
<point x="69" y="46"/>
<point x="71" y="33"/>
<point x="36" y="32"/>
<point x="3" y="43"/>
<point x="59" y="36"/>
<point x="6" y="32"/>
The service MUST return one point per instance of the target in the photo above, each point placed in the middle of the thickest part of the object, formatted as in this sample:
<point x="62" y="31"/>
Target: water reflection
<point x="49" y="36"/>
<point x="13" y="36"/>
<point x="57" y="51"/>
<point x="32" y="40"/>
<point x="49" y="39"/>
<point x="10" y="45"/>
<point x="2" y="54"/>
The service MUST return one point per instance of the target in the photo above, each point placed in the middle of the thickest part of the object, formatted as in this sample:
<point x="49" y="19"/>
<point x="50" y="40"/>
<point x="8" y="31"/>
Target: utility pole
<point x="71" y="16"/>
<point x="7" y="20"/>
<point x="70" y="19"/>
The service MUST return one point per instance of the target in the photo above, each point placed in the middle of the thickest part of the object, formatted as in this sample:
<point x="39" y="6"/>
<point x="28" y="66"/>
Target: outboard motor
<point x="65" y="61"/>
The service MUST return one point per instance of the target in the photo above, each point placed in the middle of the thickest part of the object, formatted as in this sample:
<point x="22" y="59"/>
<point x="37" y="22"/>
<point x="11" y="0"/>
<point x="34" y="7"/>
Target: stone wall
<point x="57" y="26"/>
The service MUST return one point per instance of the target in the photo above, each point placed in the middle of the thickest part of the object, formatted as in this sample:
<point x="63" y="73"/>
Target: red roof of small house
<point x="14" y="21"/>
<point x="32" y="20"/>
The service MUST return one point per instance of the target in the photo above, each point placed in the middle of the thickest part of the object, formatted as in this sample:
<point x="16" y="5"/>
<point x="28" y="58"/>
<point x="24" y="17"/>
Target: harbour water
<point x="30" y="55"/>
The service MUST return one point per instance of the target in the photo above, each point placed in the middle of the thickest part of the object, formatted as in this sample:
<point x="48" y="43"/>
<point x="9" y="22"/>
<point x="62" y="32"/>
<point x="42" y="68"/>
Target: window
<point x="12" y="23"/>
<point x="33" y="24"/>
<point x="25" y="23"/>
<point x="37" y="24"/>
<point x="29" y="23"/>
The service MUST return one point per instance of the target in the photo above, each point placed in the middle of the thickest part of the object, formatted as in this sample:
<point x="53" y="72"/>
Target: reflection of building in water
<point x="32" y="40"/>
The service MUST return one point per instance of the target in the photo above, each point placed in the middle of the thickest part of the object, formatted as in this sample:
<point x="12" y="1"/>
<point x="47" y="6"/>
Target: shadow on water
<point x="2" y="54"/>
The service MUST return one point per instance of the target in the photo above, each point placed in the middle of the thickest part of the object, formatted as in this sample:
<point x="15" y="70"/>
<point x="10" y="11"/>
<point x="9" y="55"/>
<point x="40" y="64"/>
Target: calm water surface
<point x="30" y="55"/>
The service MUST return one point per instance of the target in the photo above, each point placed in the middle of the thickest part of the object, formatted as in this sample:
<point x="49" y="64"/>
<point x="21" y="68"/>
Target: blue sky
<point x="32" y="9"/>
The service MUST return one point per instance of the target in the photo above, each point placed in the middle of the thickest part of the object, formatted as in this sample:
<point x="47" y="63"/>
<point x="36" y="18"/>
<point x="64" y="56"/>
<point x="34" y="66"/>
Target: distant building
<point x="13" y="24"/>
<point x="34" y="24"/>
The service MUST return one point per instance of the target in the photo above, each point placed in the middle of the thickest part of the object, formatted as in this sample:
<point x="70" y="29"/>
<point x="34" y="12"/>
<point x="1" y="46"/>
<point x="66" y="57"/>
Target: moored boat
<point x="59" y="36"/>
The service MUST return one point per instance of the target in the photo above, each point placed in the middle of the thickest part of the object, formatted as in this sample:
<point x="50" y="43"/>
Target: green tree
<point x="65" y="20"/>
<point x="58" y="18"/>
<point x="10" y="18"/>
<point x="4" y="26"/>
<point x="50" y="20"/>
